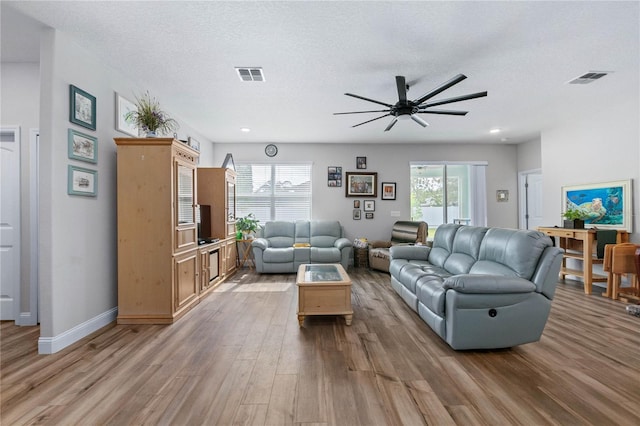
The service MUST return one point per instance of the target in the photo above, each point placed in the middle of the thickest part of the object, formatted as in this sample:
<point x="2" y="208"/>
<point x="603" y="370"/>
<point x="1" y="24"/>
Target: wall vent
<point x="589" y="77"/>
<point x="250" y="74"/>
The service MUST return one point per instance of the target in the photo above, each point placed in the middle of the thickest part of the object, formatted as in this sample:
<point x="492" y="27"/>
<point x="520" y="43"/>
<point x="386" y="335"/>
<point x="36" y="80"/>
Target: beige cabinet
<point x="158" y="264"/>
<point x="217" y="189"/>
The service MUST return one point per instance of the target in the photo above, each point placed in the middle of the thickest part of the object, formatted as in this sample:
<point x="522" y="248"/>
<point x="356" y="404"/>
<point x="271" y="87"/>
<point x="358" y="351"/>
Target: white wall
<point x="391" y="162"/>
<point x="601" y="146"/>
<point x="529" y="155"/>
<point x="20" y="106"/>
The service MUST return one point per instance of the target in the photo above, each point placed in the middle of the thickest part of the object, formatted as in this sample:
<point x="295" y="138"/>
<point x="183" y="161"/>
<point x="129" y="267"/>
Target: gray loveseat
<point x="479" y="288"/>
<point x="274" y="250"/>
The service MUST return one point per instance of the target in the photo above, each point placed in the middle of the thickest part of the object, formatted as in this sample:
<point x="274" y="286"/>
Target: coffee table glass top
<point x="320" y="273"/>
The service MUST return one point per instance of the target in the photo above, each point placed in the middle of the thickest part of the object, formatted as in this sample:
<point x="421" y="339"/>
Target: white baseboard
<point x="51" y="345"/>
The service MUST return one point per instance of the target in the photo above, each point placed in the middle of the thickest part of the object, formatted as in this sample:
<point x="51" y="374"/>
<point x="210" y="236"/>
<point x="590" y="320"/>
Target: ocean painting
<point x="605" y="205"/>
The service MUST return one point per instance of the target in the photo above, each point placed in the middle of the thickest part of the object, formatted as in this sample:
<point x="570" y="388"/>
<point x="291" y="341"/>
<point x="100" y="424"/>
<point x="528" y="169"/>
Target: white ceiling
<point x="522" y="53"/>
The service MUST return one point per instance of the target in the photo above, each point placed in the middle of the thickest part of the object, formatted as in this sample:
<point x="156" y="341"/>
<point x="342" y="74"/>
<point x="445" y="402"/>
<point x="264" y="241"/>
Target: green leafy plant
<point x="573" y="214"/>
<point x="149" y="117"/>
<point x="247" y="224"/>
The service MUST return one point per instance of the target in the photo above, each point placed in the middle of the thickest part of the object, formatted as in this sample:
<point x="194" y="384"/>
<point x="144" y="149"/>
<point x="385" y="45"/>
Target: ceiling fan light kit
<point x="406" y="109"/>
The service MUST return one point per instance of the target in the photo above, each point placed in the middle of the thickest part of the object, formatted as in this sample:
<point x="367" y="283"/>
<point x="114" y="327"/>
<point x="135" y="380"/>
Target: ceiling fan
<point x="407" y="108"/>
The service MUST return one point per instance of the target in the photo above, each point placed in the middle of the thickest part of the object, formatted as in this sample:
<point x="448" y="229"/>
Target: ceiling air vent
<point x="250" y="74"/>
<point x="589" y="77"/>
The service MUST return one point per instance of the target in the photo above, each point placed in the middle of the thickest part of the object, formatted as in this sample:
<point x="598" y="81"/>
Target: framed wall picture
<point x="123" y="107"/>
<point x="369" y="205"/>
<point x="334" y="176"/>
<point x="193" y="143"/>
<point x="361" y="184"/>
<point x="502" y="195"/>
<point x="82" y="147"/>
<point x="606" y="205"/>
<point x="356" y="204"/>
<point x="368" y="215"/>
<point x="388" y="191"/>
<point x="82" y="181"/>
<point x="82" y="108"/>
<point x="356" y="214"/>
<point x="361" y="163"/>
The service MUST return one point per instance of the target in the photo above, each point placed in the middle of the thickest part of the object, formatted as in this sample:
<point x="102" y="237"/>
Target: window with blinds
<point x="274" y="191"/>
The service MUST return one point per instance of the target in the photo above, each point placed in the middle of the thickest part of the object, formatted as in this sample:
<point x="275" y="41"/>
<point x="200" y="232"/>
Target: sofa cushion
<point x="303" y="231"/>
<point x="466" y="246"/>
<point x="279" y="233"/>
<point x="325" y="255"/>
<point x="431" y="293"/>
<point x="510" y="252"/>
<point x="278" y="255"/>
<point x="443" y="244"/>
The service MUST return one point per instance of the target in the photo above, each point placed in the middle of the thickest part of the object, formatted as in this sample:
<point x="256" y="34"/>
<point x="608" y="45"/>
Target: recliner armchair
<point x="403" y="232"/>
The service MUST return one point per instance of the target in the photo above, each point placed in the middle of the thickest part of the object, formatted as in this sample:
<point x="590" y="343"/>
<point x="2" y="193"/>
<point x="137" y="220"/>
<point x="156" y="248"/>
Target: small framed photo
<point x="82" y="108"/>
<point x="369" y="206"/>
<point x="82" y="147"/>
<point x="388" y="191"/>
<point x="356" y="204"/>
<point x="334" y="176"/>
<point x="368" y="215"/>
<point x="361" y="184"/>
<point x="193" y="143"/>
<point x="356" y="214"/>
<point x="123" y="107"/>
<point x="502" y="195"/>
<point x="82" y="181"/>
<point x="361" y="162"/>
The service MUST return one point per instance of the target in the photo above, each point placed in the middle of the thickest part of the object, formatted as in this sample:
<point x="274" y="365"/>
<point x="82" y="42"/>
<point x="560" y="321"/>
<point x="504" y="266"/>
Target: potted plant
<point x="573" y="219"/>
<point x="150" y="118"/>
<point x="246" y="226"/>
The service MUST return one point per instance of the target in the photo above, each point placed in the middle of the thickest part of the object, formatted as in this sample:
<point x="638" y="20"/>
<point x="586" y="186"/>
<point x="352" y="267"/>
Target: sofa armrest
<point x="379" y="244"/>
<point x="342" y="243"/>
<point x="409" y="252"/>
<point x="261" y="243"/>
<point x="488" y="284"/>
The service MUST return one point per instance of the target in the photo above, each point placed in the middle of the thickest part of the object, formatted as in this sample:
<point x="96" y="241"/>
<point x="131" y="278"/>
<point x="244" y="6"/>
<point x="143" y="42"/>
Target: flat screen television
<point x="203" y="221"/>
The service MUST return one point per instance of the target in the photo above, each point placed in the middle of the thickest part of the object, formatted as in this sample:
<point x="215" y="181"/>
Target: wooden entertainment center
<point x="163" y="269"/>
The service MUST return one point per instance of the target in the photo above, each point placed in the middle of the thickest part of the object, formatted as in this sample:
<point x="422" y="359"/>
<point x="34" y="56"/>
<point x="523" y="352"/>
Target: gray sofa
<point x="479" y="288"/>
<point x="274" y="250"/>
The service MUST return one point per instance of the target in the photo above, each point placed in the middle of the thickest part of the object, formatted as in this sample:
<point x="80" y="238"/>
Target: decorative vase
<point x="151" y="134"/>
<point x="574" y="224"/>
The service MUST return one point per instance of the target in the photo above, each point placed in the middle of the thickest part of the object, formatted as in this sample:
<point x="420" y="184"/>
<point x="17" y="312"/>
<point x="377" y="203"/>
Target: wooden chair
<point x="619" y="260"/>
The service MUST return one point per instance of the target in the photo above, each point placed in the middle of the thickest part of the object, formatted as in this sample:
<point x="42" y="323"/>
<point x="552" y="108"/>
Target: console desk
<point x="580" y="244"/>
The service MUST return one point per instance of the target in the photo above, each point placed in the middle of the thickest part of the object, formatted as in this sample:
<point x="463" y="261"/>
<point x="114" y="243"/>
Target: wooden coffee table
<point x="324" y="289"/>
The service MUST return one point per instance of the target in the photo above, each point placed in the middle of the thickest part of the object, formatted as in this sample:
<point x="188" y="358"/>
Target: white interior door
<point x="531" y="200"/>
<point x="9" y="222"/>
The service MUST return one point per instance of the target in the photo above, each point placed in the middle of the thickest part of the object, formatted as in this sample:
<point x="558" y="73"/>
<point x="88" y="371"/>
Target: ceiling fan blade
<point x="367" y="99"/>
<point x="443" y="112"/>
<point x="456" y="99"/>
<point x="369" y="121"/>
<point x="359" y="112"/>
<point x="444" y="86"/>
<point x="419" y="120"/>
<point x="393" y="122"/>
<point x="402" y="89"/>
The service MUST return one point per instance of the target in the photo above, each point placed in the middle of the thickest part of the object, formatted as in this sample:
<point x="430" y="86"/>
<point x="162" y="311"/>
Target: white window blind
<point x="274" y="191"/>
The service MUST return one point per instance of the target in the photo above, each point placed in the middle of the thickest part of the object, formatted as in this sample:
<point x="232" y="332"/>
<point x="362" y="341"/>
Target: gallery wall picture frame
<point x="369" y="206"/>
<point x="361" y="184"/>
<point x="356" y="214"/>
<point x="82" y="147"/>
<point x="81" y="181"/>
<point x="502" y="195"/>
<point x="123" y="124"/>
<point x="606" y="205"/>
<point x="388" y="191"/>
<point x="356" y="204"/>
<point x="334" y="176"/>
<point x="361" y="163"/>
<point x="193" y="143"/>
<point x="368" y="215"/>
<point x="82" y="108"/>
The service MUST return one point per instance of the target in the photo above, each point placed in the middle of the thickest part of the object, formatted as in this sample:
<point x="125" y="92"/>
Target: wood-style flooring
<point x="240" y="358"/>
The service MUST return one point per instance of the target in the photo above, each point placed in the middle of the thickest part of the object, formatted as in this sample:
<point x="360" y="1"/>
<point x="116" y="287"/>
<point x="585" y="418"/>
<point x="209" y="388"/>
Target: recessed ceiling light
<point x="494" y="131"/>
<point x="245" y="129"/>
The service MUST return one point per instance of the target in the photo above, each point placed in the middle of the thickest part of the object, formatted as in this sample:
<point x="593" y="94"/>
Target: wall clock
<point x="271" y="150"/>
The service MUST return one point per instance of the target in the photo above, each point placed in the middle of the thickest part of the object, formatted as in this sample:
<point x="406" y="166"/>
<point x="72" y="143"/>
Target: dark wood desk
<point x="580" y="244"/>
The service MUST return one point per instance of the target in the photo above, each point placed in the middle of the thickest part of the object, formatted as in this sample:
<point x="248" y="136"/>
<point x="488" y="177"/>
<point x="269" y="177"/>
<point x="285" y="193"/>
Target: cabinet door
<point x="184" y="206"/>
<point x="232" y="255"/>
<point x="185" y="279"/>
<point x="204" y="269"/>
<point x="230" y="206"/>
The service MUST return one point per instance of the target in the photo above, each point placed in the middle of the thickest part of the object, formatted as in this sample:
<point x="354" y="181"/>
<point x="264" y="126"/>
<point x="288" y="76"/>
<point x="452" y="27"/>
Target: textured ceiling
<point x="522" y="53"/>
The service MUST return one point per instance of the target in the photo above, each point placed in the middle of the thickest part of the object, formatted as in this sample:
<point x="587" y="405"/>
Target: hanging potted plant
<point x="573" y="219"/>
<point x="150" y="118"/>
<point x="246" y="226"/>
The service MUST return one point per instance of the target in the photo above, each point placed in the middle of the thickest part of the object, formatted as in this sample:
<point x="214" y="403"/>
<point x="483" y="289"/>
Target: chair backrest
<point x="623" y="258"/>
<point x="404" y="231"/>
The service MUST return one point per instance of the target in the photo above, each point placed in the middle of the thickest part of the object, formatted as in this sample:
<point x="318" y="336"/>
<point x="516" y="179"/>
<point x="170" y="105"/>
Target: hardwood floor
<point x="240" y="358"/>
